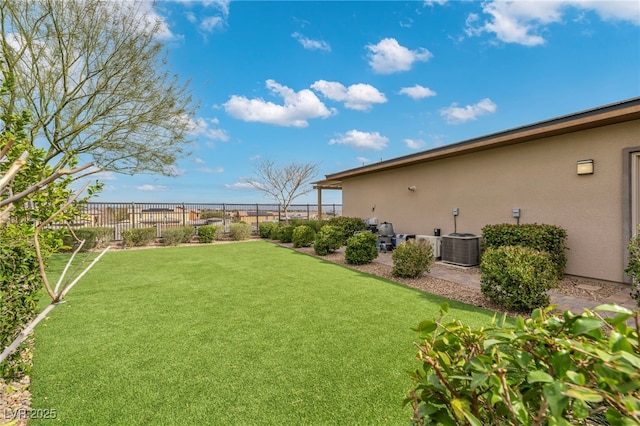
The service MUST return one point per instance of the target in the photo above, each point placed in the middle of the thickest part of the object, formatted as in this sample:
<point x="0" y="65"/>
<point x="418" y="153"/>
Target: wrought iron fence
<point x="122" y="216"/>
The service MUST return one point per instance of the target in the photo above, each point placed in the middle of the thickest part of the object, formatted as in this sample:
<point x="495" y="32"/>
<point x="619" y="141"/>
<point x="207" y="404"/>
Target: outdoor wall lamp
<point x="412" y="188"/>
<point x="585" y="167"/>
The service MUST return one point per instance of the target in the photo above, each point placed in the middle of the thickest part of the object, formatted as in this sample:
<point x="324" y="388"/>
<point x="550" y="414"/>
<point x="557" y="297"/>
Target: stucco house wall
<point x="537" y="176"/>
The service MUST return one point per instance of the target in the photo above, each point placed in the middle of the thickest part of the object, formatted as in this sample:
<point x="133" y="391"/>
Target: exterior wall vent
<point x="461" y="249"/>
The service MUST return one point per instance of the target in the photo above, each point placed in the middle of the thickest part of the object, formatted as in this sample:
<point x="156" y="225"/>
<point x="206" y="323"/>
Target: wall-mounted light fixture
<point x="412" y="188"/>
<point x="585" y="167"/>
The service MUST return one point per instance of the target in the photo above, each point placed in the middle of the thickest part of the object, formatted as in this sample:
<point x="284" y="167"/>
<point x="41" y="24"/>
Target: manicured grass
<point x="248" y="333"/>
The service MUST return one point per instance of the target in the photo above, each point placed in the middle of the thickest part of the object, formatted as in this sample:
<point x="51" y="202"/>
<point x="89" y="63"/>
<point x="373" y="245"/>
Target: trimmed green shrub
<point x="361" y="248"/>
<point x="315" y="224"/>
<point x="349" y="226"/>
<point x="240" y="231"/>
<point x="20" y="284"/>
<point x="179" y="235"/>
<point x="285" y="233"/>
<point x="548" y="238"/>
<point x="546" y="370"/>
<point x="207" y="233"/>
<point x="265" y="229"/>
<point x="138" y="237"/>
<point x="411" y="259"/>
<point x="517" y="278"/>
<point x="94" y="238"/>
<point x="303" y="236"/>
<point x="274" y="232"/>
<point x="328" y="240"/>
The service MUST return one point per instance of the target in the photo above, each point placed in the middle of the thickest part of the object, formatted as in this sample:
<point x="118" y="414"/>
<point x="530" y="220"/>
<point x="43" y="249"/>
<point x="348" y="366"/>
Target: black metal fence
<point x="122" y="216"/>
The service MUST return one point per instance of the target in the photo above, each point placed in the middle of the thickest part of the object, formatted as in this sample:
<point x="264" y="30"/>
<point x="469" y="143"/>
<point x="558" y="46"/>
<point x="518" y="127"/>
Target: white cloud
<point x="360" y="96"/>
<point x="363" y="160"/>
<point x="210" y="170"/>
<point x="198" y="160"/>
<point x="417" y="92"/>
<point x="239" y="186"/>
<point x="204" y="127"/>
<point x="455" y="114"/>
<point x="361" y="140"/>
<point x="523" y="22"/>
<point x="388" y="56"/>
<point x="174" y="171"/>
<point x="151" y="188"/>
<point x="212" y="23"/>
<point x="414" y="143"/>
<point x="298" y="107"/>
<point x="434" y="2"/>
<point x="311" y="44"/>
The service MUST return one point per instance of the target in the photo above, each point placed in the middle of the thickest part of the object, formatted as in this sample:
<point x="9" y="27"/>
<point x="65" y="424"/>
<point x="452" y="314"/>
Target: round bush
<point x="207" y="233"/>
<point x="411" y="259"/>
<point x="240" y="231"/>
<point x="349" y="225"/>
<point x="361" y="248"/>
<point x="516" y="277"/>
<point x="303" y="236"/>
<point x="328" y="240"/>
<point x="285" y="233"/>
<point x="265" y="229"/>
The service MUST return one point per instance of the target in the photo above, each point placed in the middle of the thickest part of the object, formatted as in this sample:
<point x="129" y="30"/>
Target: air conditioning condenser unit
<point x="461" y="249"/>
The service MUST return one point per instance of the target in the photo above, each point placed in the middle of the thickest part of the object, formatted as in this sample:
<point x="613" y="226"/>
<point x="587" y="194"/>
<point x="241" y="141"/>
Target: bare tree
<point x="284" y="183"/>
<point x="94" y="75"/>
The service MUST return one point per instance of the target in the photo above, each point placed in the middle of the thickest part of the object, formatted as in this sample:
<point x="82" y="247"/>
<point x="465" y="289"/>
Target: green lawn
<point x="249" y="333"/>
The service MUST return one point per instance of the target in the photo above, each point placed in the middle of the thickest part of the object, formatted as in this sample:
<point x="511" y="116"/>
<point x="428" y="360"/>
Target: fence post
<point x="184" y="215"/>
<point x="279" y="218"/>
<point x="224" y="218"/>
<point x="257" y="218"/>
<point x="308" y="213"/>
<point x="133" y="215"/>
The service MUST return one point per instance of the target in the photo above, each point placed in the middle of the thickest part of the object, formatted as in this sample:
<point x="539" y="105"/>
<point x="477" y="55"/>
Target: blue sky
<point x="351" y="83"/>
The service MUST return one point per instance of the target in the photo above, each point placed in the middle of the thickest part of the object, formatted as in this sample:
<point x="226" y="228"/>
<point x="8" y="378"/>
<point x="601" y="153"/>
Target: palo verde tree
<point x="94" y="76"/>
<point x="284" y="183"/>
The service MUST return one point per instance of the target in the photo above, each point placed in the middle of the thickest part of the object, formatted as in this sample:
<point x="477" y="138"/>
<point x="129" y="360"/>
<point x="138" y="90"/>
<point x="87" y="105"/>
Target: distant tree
<point x="284" y="183"/>
<point x="94" y="76"/>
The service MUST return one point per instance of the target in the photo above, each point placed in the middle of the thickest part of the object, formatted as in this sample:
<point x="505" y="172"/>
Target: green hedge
<point x="328" y="240"/>
<point x="207" y="233"/>
<point x="516" y="277"/>
<point x="303" y="236"/>
<point x="240" y="231"/>
<point x="285" y="233"/>
<point x="545" y="370"/>
<point x="361" y="248"/>
<point x="265" y="229"/>
<point x="348" y="225"/>
<point x="138" y="237"/>
<point x="179" y="235"/>
<point x="547" y="238"/>
<point x="411" y="259"/>
<point x="95" y="238"/>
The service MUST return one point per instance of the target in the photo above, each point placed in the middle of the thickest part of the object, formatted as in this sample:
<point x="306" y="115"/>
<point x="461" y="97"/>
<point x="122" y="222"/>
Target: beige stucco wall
<point x="538" y="177"/>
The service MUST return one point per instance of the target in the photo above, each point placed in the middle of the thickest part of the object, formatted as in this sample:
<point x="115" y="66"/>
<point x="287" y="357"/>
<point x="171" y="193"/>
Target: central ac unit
<point x="461" y="249"/>
<point x="434" y="241"/>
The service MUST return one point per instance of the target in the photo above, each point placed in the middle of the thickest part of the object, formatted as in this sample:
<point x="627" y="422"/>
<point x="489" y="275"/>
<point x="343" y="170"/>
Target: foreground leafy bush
<point x="361" y="248"/>
<point x="94" y="237"/>
<point x="328" y="240"/>
<point x="411" y="259"/>
<point x="546" y="370"/>
<point x="517" y="278"/>
<point x="138" y="237"/>
<point x="179" y="235"/>
<point x="303" y="236"/>
<point x="285" y="233"/>
<point x="349" y="226"/>
<point x="265" y="229"/>
<point x="207" y="233"/>
<point x="547" y="238"/>
<point x="633" y="267"/>
<point x="240" y="231"/>
<point x="20" y="283"/>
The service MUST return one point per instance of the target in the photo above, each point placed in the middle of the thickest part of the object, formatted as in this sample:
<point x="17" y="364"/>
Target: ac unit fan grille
<point x="461" y="251"/>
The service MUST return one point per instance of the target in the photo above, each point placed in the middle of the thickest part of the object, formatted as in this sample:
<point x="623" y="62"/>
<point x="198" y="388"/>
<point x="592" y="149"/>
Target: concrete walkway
<point x="470" y="277"/>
